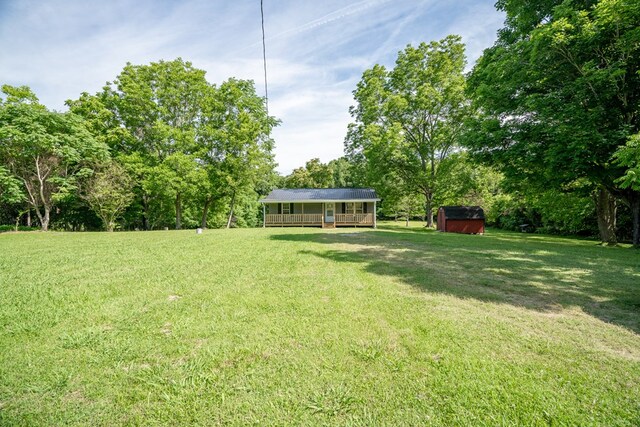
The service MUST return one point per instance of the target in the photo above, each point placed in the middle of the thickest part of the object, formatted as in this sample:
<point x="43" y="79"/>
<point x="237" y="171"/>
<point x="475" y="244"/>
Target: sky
<point x="316" y="50"/>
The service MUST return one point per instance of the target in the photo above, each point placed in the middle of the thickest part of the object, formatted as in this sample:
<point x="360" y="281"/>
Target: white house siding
<point x="313" y="208"/>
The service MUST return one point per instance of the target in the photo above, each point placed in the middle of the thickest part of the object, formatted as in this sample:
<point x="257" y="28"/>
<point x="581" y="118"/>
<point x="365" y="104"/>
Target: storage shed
<point x="461" y="219"/>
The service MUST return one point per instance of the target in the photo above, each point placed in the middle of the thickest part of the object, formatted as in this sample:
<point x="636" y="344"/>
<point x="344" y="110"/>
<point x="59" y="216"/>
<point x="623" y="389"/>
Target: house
<point x="461" y="219"/>
<point x="320" y="207"/>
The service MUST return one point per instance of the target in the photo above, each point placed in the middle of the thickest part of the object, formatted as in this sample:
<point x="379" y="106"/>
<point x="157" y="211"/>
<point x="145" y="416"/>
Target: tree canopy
<point x="408" y="120"/>
<point x="188" y="142"/>
<point x="559" y="93"/>
<point x="45" y="150"/>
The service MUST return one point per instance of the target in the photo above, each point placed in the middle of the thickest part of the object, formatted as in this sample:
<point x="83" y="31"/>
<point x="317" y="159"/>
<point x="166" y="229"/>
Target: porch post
<point x="264" y="217"/>
<point x="375" y="225"/>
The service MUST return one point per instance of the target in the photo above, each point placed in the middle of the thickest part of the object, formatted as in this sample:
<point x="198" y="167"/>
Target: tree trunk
<point x="28" y="217"/>
<point x="407" y="223"/>
<point x="145" y="213"/>
<point x="635" y="213"/>
<point x="44" y="221"/>
<point x="178" y="211"/>
<point x="205" y="211"/>
<point x="233" y="202"/>
<point x="606" y="212"/>
<point x="429" y="209"/>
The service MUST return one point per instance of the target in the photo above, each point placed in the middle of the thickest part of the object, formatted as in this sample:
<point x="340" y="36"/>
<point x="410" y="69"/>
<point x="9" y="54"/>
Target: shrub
<point x="5" y="228"/>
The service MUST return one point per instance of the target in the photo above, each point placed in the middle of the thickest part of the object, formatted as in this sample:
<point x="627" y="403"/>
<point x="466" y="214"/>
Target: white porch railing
<point x="363" y="218"/>
<point x="271" y="219"/>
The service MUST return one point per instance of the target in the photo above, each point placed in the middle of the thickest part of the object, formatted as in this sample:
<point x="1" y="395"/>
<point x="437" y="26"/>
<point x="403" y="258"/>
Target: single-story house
<point x="461" y="219"/>
<point x="320" y="207"/>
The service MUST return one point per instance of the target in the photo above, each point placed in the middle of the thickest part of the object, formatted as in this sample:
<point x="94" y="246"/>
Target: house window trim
<point x="349" y="208"/>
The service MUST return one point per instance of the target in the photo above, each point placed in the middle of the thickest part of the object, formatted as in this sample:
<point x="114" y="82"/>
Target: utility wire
<point x="264" y="59"/>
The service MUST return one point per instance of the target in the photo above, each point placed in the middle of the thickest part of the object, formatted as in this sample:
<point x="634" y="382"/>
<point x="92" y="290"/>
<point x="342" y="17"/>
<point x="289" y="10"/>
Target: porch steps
<point x="328" y="225"/>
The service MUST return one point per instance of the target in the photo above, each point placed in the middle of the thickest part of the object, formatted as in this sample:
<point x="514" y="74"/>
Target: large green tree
<point x="337" y="173"/>
<point x="160" y="105"/>
<point x="183" y="138"/>
<point x="235" y="145"/>
<point x="408" y="120"/>
<point x="45" y="150"/>
<point x="559" y="92"/>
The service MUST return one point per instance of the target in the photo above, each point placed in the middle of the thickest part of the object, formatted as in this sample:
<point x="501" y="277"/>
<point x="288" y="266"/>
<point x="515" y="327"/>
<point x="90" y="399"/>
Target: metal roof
<point x="320" y="195"/>
<point x="463" y="212"/>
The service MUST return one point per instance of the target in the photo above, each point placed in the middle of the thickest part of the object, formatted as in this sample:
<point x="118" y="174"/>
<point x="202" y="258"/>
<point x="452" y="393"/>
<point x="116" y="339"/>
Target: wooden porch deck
<point x="302" y="220"/>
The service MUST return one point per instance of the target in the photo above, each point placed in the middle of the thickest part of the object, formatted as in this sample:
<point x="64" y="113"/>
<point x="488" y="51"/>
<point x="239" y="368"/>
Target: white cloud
<point x="316" y="51"/>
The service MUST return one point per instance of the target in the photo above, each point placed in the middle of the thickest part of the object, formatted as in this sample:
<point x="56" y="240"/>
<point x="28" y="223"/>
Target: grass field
<point x="310" y="327"/>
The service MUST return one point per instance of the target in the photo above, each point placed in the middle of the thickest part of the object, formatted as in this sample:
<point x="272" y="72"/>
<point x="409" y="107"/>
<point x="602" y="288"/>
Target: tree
<point x="408" y="120"/>
<point x="628" y="156"/>
<point x="47" y="151"/>
<point x="160" y="106"/>
<point x="10" y="188"/>
<point x="108" y="193"/>
<point x="559" y="92"/>
<point x="342" y="173"/>
<point x="398" y="205"/>
<point x="235" y="144"/>
<point x="314" y="174"/>
<point x="299" y="178"/>
<point x="11" y="196"/>
<point x="183" y="138"/>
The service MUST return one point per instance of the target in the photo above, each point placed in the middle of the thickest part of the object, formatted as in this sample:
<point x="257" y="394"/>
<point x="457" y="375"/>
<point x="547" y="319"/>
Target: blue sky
<point x="316" y="50"/>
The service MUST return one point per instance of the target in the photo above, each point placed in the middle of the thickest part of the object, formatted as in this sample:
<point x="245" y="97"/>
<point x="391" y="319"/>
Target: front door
<point x="328" y="212"/>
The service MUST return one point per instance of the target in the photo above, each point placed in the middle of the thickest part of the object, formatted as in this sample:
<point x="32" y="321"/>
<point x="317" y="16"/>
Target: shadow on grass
<point x="536" y="272"/>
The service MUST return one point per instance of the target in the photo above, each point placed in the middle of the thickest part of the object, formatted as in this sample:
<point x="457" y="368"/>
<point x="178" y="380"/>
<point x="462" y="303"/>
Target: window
<point x="349" y="208"/>
<point x="358" y="207"/>
<point x="286" y="208"/>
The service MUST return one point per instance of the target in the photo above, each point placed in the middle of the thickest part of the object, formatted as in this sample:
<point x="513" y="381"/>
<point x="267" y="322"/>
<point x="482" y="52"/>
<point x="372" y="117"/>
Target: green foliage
<point x="48" y="152"/>
<point x="408" y="120"/>
<point x="108" y="193"/>
<point x="11" y="191"/>
<point x="551" y="212"/>
<point x="315" y="174"/>
<point x="405" y="206"/>
<point x="628" y="156"/>
<point x="191" y="146"/>
<point x="558" y="94"/>
<point x="5" y="228"/>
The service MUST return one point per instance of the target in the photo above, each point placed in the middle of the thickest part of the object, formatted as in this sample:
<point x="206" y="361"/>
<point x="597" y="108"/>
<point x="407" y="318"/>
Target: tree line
<point x="158" y="146"/>
<point x="552" y="107"/>
<point x="543" y="131"/>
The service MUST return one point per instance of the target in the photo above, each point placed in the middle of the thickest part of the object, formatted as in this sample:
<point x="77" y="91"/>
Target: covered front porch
<point x="319" y="214"/>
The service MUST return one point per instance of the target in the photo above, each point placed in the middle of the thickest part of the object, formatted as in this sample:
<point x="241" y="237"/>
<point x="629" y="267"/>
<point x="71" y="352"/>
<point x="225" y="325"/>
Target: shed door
<point x="328" y="212"/>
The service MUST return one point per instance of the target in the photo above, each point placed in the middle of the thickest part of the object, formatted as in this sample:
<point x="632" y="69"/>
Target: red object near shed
<point x="461" y="219"/>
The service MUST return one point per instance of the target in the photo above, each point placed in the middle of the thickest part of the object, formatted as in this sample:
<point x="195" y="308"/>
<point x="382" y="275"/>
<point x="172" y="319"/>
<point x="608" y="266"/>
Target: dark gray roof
<point x="463" y="212"/>
<point x="320" y="194"/>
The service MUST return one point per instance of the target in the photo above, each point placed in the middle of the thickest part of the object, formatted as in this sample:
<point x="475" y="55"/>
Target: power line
<point x="264" y="59"/>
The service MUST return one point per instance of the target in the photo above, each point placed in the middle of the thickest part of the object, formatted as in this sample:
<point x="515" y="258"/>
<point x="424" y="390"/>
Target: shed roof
<point x="320" y="195"/>
<point x="463" y="212"/>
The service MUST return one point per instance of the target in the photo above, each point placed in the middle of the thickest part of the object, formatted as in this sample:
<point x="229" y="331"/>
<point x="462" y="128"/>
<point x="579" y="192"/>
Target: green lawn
<point x="314" y="327"/>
